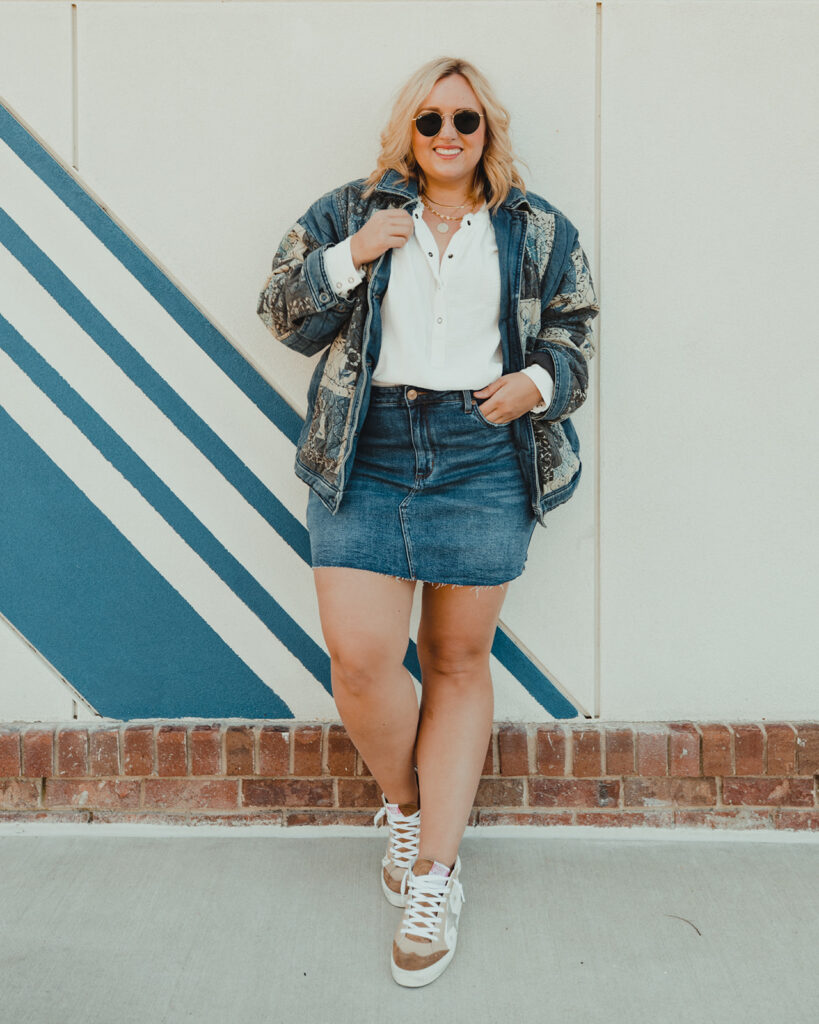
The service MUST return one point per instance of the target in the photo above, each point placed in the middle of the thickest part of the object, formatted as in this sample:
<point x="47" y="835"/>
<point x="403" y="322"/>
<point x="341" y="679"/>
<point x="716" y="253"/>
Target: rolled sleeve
<point x="342" y="273"/>
<point x="542" y="380"/>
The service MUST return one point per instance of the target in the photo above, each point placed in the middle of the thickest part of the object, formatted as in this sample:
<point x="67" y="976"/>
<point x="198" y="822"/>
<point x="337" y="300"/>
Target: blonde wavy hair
<point x="495" y="174"/>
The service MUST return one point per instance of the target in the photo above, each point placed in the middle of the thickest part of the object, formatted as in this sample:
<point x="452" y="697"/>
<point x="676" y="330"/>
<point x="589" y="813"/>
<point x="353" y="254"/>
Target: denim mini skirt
<point x="436" y="494"/>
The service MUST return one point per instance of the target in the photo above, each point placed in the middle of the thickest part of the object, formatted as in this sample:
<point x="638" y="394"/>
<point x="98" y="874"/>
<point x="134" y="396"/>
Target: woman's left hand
<point x="508" y="397"/>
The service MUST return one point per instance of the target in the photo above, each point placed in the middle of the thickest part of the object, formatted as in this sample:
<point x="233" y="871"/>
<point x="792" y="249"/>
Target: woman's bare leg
<point x="365" y="621"/>
<point x="457" y="705"/>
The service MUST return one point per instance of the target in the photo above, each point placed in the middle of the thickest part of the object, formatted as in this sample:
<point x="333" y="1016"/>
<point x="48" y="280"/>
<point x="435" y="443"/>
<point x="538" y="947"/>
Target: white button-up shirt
<point x="439" y="315"/>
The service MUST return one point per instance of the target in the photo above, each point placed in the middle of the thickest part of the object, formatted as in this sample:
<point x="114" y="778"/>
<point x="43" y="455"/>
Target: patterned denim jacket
<point x="547" y="305"/>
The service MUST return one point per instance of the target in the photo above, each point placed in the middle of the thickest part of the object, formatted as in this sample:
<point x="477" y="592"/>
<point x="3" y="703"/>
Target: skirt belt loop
<point x="467" y="399"/>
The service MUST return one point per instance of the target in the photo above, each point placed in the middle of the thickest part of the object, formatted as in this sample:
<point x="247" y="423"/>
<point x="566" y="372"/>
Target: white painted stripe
<point x="145" y="324"/>
<point x="175" y="460"/>
<point x="34" y="690"/>
<point x="164" y="549"/>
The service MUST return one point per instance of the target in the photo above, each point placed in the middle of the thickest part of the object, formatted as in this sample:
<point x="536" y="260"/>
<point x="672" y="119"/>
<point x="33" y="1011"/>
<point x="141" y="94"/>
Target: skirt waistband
<point x="407" y="394"/>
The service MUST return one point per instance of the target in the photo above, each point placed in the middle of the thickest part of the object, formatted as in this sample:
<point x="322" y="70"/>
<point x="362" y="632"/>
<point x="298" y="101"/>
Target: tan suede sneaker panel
<point x="412" y="961"/>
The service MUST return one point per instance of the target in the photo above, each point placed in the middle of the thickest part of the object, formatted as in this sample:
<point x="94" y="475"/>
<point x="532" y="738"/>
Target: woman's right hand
<point x="386" y="229"/>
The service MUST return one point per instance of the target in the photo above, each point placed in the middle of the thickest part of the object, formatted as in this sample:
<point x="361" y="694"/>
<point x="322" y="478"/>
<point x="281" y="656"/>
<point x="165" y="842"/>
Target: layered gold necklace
<point x="443" y="227"/>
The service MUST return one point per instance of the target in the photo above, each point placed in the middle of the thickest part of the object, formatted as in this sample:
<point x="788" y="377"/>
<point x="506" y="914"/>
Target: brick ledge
<point x="714" y="775"/>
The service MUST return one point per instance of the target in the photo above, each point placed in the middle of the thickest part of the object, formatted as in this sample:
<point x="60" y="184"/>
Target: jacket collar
<point x="391" y="181"/>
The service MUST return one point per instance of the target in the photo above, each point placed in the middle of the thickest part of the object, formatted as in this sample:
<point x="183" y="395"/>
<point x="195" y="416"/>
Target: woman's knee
<point x="454" y="661"/>
<point x="358" y="668"/>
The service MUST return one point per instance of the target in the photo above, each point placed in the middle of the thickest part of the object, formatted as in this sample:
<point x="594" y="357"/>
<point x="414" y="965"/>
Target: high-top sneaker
<point x="425" y="941"/>
<point x="402" y="847"/>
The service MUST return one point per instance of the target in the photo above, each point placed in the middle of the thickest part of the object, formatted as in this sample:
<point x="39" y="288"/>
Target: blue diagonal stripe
<point x="162" y="498"/>
<point x="100" y="612"/>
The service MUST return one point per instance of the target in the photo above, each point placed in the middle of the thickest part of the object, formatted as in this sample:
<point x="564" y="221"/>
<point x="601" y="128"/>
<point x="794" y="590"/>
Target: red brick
<point x="361" y="766"/>
<point x="714" y="817"/>
<point x="748" y="750"/>
<point x="802" y="820"/>
<point x="652" y="751"/>
<point x="807" y="748"/>
<point x="19" y="794"/>
<point x="206" y="750"/>
<point x="497" y="792"/>
<point x="91" y="793"/>
<point x="72" y="752"/>
<point x="238" y="750"/>
<point x="490" y="817"/>
<point x="38" y="753"/>
<point x="625" y="819"/>
<point x="358" y="793"/>
<point x="340" y="752"/>
<point x="287" y="793"/>
<point x="550" y="751"/>
<point x="545" y="792"/>
<point x="794" y="792"/>
<point x="137" y="750"/>
<point x="193" y="794"/>
<point x="586" y="754"/>
<point x="307" y="750"/>
<point x="489" y="761"/>
<point x="337" y="817"/>
<point x="717" y="757"/>
<point x="513" y="750"/>
<point x="639" y="792"/>
<point x="10" y="754"/>
<point x="781" y="749"/>
<point x="619" y="752"/>
<point x="171" y="750"/>
<point x="103" y="752"/>
<point x="683" y="750"/>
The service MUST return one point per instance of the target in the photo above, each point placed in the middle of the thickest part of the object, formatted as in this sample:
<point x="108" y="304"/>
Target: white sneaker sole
<point x="415" y="979"/>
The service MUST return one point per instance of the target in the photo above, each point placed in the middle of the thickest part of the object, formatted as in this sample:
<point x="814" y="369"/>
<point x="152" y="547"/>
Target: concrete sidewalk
<point x="147" y="925"/>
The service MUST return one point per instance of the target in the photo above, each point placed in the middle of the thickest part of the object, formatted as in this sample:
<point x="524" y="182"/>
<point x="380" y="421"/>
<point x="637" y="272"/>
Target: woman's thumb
<point x="490" y="389"/>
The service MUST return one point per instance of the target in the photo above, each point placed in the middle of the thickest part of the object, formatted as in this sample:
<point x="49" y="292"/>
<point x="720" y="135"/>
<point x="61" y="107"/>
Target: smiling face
<point x="449" y="159"/>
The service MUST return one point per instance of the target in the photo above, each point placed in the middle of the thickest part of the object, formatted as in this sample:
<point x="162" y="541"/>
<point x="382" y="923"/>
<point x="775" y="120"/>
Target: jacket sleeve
<point x="298" y="303"/>
<point x="564" y="344"/>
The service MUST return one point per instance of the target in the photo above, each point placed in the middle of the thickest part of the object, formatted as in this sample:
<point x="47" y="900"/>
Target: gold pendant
<point x="443" y="227"/>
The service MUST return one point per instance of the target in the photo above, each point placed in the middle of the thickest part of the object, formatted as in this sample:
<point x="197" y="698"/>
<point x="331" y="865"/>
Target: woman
<point x="457" y="311"/>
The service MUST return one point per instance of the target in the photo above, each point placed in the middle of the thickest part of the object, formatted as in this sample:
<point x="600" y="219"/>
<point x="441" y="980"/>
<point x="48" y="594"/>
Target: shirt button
<point x="439" y="320"/>
<point x="339" y="285"/>
<point x="450" y="256"/>
<point x="351" y="280"/>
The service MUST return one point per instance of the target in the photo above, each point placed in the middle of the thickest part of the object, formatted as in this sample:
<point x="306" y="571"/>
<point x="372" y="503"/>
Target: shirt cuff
<point x="542" y="380"/>
<point x="340" y="269"/>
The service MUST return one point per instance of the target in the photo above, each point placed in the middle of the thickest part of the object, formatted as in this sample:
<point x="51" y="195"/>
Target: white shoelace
<point x="424" y="921"/>
<point x="404" y="835"/>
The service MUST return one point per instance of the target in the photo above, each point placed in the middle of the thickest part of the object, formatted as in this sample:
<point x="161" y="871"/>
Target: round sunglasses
<point x="466" y="122"/>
